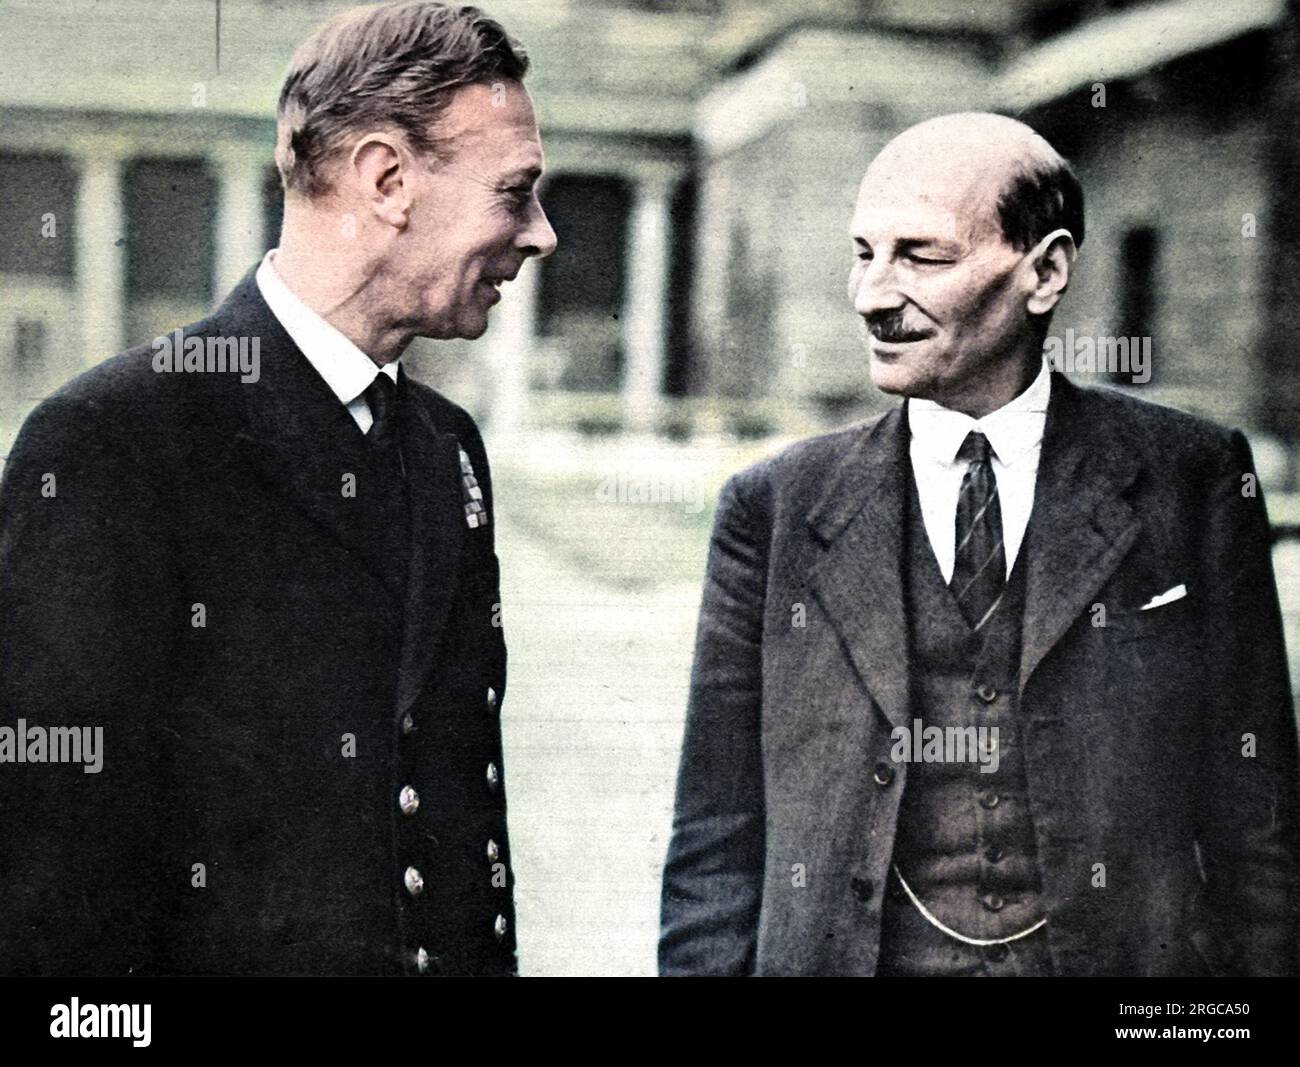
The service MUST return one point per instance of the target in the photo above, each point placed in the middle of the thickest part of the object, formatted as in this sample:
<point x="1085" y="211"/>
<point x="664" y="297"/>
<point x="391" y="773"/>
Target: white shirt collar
<point x="346" y="369"/>
<point x="1015" y="430"/>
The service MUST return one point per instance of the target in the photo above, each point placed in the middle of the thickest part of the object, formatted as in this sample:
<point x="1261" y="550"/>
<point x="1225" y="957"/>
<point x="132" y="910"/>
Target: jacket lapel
<point x="859" y="581"/>
<point x="297" y="435"/>
<point x="1081" y="528"/>
<point x="437" y="531"/>
<point x="1080" y="531"/>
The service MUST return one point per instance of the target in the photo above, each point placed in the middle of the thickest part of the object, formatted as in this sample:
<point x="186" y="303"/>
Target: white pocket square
<point x="1167" y="597"/>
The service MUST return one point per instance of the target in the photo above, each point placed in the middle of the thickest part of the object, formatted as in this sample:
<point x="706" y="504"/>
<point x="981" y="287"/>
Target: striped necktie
<point x="980" y="564"/>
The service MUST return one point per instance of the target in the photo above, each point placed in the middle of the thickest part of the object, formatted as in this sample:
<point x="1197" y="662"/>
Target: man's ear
<point x="1052" y="263"/>
<point x="378" y="166"/>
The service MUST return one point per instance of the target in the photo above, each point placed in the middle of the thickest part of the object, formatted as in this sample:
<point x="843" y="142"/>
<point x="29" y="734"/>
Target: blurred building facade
<point x="703" y="157"/>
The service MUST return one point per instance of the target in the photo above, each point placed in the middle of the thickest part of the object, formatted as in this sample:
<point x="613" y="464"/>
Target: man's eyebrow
<point x="906" y="243"/>
<point x="526" y="174"/>
<point x="918" y="242"/>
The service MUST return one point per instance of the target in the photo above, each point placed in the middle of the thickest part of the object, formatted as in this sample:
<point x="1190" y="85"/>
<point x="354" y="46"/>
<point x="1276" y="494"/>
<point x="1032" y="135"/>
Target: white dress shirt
<point x="346" y="369"/>
<point x="1015" y="432"/>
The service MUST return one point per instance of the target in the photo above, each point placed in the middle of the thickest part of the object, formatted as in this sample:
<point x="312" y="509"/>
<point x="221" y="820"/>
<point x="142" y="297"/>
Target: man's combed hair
<point x="390" y="67"/>
<point x="1044" y="195"/>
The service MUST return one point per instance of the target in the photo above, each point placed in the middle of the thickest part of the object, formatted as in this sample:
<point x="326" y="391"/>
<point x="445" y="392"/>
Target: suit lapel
<point x="1081" y="528"/>
<point x="437" y="531"/>
<point x="302" y="441"/>
<point x="859" y="581"/>
<point x="1080" y="531"/>
<point x="297" y="434"/>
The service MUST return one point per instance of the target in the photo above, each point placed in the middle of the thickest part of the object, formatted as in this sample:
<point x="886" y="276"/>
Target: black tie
<point x="980" y="565"/>
<point x="381" y="395"/>
<point x="385" y="434"/>
<point x="388" y="497"/>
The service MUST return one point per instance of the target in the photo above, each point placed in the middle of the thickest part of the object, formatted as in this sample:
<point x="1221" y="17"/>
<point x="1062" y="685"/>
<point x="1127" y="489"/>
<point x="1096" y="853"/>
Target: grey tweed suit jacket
<point x="1160" y="746"/>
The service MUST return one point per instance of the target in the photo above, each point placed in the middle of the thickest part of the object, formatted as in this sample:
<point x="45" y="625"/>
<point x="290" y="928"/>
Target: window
<point x="272" y="208"/>
<point x="1139" y="256"/>
<point x="28" y="350"/>
<point x="171" y="243"/>
<point x="580" y="299"/>
<point x="37" y="208"/>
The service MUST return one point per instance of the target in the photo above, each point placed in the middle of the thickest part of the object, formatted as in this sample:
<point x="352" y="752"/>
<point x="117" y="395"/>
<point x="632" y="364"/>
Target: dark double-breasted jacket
<point x="302" y="768"/>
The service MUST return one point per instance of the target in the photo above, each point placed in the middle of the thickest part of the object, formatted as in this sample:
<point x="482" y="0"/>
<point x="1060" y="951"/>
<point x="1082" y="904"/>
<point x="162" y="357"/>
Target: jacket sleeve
<point x="714" y="873"/>
<point x="1248" y="834"/>
<point x="84" y="625"/>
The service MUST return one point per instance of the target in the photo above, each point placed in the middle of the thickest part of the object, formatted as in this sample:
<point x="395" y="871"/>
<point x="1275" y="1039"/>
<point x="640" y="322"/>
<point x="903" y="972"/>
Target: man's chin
<point x="466" y="328"/>
<point x="472" y="331"/>
<point x="892" y="376"/>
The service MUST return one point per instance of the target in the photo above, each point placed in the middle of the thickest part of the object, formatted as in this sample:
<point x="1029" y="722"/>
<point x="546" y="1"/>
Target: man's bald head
<point x="965" y="232"/>
<point x="992" y="170"/>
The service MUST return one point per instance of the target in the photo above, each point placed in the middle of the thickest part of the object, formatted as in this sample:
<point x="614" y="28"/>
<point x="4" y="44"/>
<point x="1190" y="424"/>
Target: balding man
<point x="270" y="581"/>
<point x="993" y="684"/>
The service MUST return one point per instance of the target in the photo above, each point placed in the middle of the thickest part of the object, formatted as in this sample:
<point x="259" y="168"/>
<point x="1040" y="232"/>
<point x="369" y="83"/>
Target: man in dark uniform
<point x="994" y="684"/>
<point x="276" y="591"/>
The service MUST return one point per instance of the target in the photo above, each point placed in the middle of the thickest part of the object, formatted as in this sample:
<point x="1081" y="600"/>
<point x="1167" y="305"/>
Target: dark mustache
<point x="890" y="326"/>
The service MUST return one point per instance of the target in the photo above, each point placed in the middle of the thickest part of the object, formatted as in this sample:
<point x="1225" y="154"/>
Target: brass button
<point x="994" y="902"/>
<point x="414" y="881"/>
<point x="408" y="800"/>
<point x="493" y="777"/>
<point x="421" y="960"/>
<point x="989" y="800"/>
<point x="987" y="694"/>
<point x="499" y="927"/>
<point x="408" y="725"/>
<point x="884" y="774"/>
<point x="493" y="853"/>
<point x="993" y="854"/>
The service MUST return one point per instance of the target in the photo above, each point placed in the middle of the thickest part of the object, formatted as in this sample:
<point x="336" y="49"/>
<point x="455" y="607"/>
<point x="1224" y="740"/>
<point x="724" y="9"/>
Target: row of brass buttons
<point x="499" y="929"/>
<point x="408" y="721"/>
<point x="408" y="800"/>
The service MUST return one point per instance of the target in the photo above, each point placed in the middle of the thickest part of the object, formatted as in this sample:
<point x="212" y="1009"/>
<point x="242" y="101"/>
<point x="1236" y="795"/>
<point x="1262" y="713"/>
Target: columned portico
<point x="645" y="309"/>
<point x="240" y="238"/>
<point x="510" y="342"/>
<point x="101" y="251"/>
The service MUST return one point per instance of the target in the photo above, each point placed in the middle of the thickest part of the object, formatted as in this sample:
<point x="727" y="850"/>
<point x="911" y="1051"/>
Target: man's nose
<point x="538" y="239"/>
<point x="873" y="287"/>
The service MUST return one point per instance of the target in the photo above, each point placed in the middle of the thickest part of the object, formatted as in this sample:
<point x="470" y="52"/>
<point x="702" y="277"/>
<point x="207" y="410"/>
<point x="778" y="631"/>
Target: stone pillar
<point x="510" y="345"/>
<point x="101" y="254"/>
<point x="239" y="229"/>
<point x="645" y="308"/>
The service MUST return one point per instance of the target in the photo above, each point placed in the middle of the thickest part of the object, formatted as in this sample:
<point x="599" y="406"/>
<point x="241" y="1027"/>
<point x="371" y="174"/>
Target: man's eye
<point x="927" y="260"/>
<point x="864" y="254"/>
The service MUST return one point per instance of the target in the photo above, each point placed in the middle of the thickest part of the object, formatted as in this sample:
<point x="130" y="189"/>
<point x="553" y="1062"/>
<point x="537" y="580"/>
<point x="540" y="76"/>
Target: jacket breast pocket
<point x="1154" y="667"/>
<point x="1172" y="619"/>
